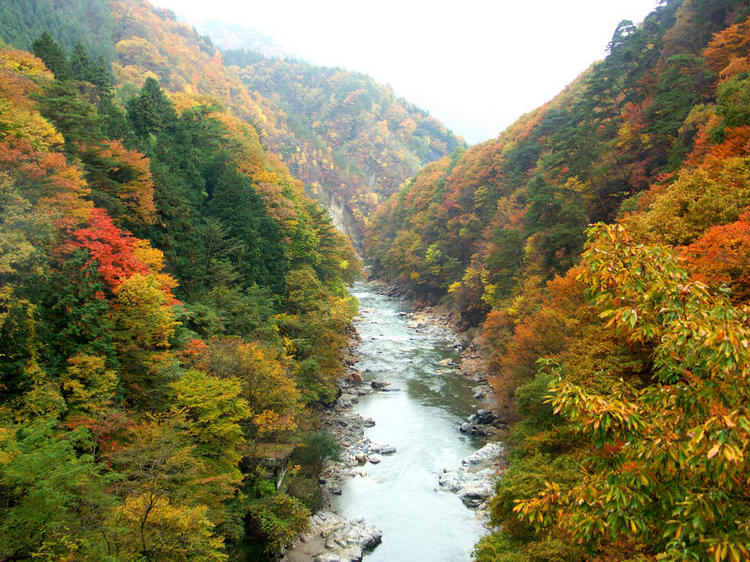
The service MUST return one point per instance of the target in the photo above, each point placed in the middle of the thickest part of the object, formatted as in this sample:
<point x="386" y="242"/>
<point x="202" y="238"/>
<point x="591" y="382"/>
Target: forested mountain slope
<point x="173" y="305"/>
<point x="627" y="366"/>
<point x="89" y="22"/>
<point x="349" y="139"/>
<point x="228" y="36"/>
<point x="352" y="139"/>
<point x="519" y="204"/>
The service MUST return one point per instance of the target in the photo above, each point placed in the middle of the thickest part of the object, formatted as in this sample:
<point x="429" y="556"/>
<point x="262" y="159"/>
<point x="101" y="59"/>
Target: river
<point x="400" y="494"/>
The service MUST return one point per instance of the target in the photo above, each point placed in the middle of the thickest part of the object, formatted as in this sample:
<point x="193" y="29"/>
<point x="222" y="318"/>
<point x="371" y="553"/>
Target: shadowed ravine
<point x="400" y="495"/>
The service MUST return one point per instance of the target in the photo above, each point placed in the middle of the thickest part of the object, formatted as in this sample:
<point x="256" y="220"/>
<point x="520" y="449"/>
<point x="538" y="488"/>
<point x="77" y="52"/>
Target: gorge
<point x="182" y="237"/>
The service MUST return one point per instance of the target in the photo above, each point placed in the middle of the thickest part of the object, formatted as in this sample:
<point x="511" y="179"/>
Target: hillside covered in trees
<point x="351" y="139"/>
<point x="621" y="348"/>
<point x="173" y="305"/>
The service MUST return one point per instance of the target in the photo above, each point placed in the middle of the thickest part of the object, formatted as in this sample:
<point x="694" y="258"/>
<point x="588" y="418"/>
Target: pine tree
<point x="151" y="110"/>
<point x="47" y="49"/>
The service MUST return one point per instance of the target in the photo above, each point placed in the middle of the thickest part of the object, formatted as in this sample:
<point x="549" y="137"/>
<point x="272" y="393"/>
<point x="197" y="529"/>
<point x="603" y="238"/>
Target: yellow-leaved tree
<point x="669" y="464"/>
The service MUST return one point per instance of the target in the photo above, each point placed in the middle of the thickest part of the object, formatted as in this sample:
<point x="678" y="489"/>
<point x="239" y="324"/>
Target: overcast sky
<point x="476" y="65"/>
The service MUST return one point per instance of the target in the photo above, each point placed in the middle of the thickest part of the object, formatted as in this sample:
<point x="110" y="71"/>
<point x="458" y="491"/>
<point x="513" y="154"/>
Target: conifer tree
<point x="47" y="49"/>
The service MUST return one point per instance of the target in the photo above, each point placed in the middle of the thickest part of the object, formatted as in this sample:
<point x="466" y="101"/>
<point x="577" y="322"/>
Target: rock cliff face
<point x="343" y="220"/>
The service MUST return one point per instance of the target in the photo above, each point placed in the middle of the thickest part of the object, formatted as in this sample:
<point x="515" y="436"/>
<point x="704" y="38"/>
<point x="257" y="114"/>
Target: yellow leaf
<point x="714" y="451"/>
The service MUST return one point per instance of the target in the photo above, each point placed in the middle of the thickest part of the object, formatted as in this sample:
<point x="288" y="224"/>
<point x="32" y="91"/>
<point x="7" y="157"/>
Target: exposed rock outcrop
<point x="474" y="479"/>
<point x="333" y="538"/>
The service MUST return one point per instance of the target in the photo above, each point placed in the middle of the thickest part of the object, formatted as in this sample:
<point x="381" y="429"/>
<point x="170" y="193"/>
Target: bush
<point x="524" y="479"/>
<point x="306" y="489"/>
<point x="498" y="547"/>
<point x="318" y="447"/>
<point x="276" y="520"/>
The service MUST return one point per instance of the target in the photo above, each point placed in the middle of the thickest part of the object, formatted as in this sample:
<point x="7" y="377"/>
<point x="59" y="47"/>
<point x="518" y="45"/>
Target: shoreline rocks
<point x="483" y="423"/>
<point x="333" y="538"/>
<point x="474" y="479"/>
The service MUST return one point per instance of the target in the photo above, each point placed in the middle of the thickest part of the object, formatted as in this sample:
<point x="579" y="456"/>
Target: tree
<point x="722" y="255"/>
<point x="234" y="202"/>
<point x="150" y="112"/>
<point x="75" y="118"/>
<point x="76" y="317"/>
<point x="214" y="410"/>
<point x="88" y="385"/>
<point x="142" y="316"/>
<point x="267" y="382"/>
<point x="53" y="496"/>
<point x="118" y="254"/>
<point x="81" y="65"/>
<point x="47" y="49"/>
<point x="162" y="517"/>
<point x="668" y="466"/>
<point x="121" y="182"/>
<point x="159" y="531"/>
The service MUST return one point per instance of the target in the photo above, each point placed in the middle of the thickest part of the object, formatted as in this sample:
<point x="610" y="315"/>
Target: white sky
<point x="476" y="65"/>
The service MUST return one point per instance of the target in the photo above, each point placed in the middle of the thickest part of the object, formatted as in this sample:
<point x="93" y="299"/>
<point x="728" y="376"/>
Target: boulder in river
<point x="476" y="492"/>
<point x="480" y="423"/>
<point x="361" y="458"/>
<point x="368" y="422"/>
<point x="379" y="384"/>
<point x="488" y="454"/>
<point x="329" y="557"/>
<point x="486" y="417"/>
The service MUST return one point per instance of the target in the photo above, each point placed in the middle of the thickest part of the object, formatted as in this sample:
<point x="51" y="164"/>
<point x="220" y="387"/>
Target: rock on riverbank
<point x="348" y="427"/>
<point x="474" y="479"/>
<point x="332" y="538"/>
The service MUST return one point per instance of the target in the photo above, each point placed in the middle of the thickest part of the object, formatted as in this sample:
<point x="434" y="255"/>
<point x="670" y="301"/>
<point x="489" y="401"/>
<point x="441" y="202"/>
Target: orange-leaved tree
<point x="668" y="467"/>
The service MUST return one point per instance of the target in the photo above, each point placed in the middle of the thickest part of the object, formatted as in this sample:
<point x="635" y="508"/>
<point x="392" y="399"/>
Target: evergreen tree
<point x="47" y="49"/>
<point x="236" y="204"/>
<point x="74" y="117"/>
<point x="80" y="63"/>
<point x="151" y="111"/>
<point x="86" y="69"/>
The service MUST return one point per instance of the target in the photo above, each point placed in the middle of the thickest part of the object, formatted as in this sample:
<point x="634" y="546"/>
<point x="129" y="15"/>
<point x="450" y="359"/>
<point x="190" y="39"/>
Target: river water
<point x="399" y="495"/>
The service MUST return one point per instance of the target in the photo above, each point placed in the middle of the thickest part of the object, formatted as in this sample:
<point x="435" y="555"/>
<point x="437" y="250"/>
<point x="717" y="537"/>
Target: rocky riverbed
<point x="334" y="537"/>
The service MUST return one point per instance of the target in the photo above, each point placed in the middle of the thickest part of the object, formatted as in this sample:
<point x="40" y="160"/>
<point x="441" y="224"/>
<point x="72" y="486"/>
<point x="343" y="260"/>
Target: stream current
<point x="400" y="494"/>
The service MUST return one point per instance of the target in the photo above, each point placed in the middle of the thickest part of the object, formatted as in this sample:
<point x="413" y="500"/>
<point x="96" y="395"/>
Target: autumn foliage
<point x="624" y="368"/>
<point x="156" y="332"/>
